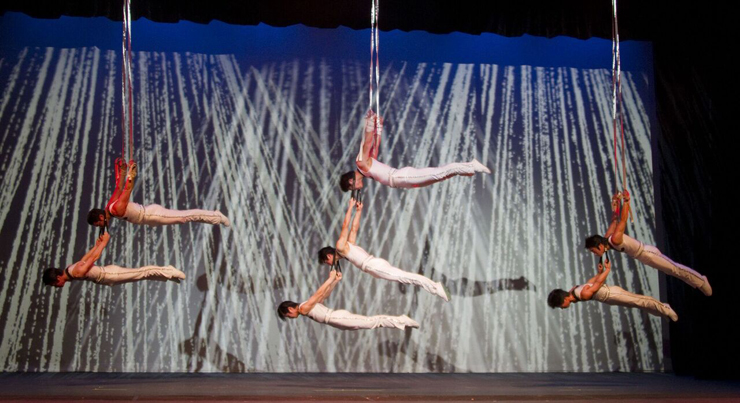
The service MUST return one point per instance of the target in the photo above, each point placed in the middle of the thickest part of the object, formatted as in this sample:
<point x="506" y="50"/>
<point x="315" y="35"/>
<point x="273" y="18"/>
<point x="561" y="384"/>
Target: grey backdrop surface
<point x="264" y="141"/>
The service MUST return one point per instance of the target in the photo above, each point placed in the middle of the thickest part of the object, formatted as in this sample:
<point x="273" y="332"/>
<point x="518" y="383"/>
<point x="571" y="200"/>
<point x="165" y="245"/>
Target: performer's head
<point x="559" y="299"/>
<point x="326" y="255"/>
<point x="96" y="217"/>
<point x="287" y="309"/>
<point x="597" y="244"/>
<point x="347" y="181"/>
<point x="54" y="277"/>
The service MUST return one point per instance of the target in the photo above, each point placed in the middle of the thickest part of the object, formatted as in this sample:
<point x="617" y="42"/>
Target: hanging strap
<point x="127" y="102"/>
<point x="618" y="109"/>
<point x="373" y="87"/>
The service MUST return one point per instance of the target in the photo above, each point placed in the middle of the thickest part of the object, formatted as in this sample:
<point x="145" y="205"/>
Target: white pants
<point x="613" y="295"/>
<point x="113" y="275"/>
<point x="380" y="268"/>
<point x="346" y="320"/>
<point x="652" y="257"/>
<point x="156" y="215"/>
<point x="410" y="177"/>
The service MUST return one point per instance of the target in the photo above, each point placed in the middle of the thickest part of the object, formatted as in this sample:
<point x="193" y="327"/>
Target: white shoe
<point x="706" y="288"/>
<point x="410" y="322"/>
<point x="224" y="220"/>
<point x="478" y="167"/>
<point x="671" y="313"/>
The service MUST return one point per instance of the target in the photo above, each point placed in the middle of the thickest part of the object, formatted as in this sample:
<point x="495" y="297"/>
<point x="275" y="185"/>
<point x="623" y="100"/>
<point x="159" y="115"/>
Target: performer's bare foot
<point x="478" y="167"/>
<point x="671" y="313"/>
<point x="706" y="288"/>
<point x="224" y="220"/>
<point x="410" y="322"/>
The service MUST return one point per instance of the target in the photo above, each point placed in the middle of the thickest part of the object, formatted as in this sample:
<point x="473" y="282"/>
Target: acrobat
<point x="107" y="275"/>
<point x="369" y="166"/>
<point x="616" y="239"/>
<point x="153" y="215"/>
<point x="376" y="267"/>
<point x="340" y="319"/>
<point x="595" y="289"/>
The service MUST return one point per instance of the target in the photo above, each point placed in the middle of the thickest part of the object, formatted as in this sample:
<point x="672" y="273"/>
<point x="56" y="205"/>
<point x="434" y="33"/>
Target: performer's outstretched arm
<point x="597" y="281"/>
<point x="321" y="294"/>
<point x="355" y="224"/>
<point x="341" y="245"/>
<point x="120" y="168"/>
<point x="622" y="224"/>
<point x="84" y="265"/>
<point x="119" y="206"/>
<point x="615" y="215"/>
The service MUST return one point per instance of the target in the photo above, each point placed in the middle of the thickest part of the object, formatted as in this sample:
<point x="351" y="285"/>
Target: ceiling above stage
<point x="576" y="18"/>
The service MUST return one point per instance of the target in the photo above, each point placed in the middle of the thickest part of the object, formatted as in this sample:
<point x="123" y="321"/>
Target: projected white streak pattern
<point x="265" y="143"/>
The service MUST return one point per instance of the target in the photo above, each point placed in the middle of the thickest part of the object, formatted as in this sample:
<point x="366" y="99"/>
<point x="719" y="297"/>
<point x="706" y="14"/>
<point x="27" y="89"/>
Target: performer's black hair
<point x="556" y="298"/>
<point x="282" y="309"/>
<point x="94" y="215"/>
<point x="595" y="240"/>
<point x="344" y="181"/>
<point x="50" y="275"/>
<point x="325" y="252"/>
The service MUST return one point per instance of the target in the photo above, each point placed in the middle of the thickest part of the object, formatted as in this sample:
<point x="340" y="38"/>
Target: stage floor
<point x="363" y="387"/>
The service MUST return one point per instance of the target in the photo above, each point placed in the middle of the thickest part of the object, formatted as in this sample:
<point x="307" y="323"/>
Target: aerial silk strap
<point x="373" y="88"/>
<point x="127" y="101"/>
<point x="617" y="107"/>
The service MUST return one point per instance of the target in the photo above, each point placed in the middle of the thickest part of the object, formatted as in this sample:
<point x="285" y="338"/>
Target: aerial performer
<point x="595" y="289"/>
<point x="340" y="319"/>
<point x="121" y="207"/>
<point x="107" y="275"/>
<point x="616" y="239"/>
<point x="374" y="266"/>
<point x="369" y="166"/>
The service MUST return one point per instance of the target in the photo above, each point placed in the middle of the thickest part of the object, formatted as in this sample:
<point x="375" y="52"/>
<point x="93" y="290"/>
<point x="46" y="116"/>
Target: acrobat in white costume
<point x="616" y="239"/>
<point x="156" y="215"/>
<point x="345" y="320"/>
<point x="112" y="275"/>
<point x="340" y="319"/>
<point x="408" y="177"/>
<point x="107" y="275"/>
<point x="613" y="295"/>
<point x="376" y="267"/>
<point x="596" y="289"/>
<point x="153" y="215"/>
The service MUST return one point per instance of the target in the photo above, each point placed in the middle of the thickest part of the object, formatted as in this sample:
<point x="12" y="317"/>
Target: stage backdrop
<point x="262" y="131"/>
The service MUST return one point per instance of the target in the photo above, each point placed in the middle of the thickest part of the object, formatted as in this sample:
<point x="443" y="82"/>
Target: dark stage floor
<point x="366" y="387"/>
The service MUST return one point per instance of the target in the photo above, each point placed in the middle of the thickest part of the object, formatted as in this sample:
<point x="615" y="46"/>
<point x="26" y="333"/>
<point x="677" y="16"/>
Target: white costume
<point x="155" y="215"/>
<point x="380" y="268"/>
<point x="651" y="256"/>
<point x="613" y="295"/>
<point x="419" y="177"/>
<point x="113" y="275"/>
<point x="346" y="320"/>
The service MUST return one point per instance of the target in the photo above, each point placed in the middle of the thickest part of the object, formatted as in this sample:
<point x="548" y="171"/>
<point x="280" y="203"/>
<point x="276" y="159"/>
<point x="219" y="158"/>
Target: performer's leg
<point x="155" y="215"/>
<point x="652" y="257"/>
<point x="410" y="177"/>
<point x="346" y="320"/>
<point x="621" y="297"/>
<point x="113" y="275"/>
<point x="380" y="268"/>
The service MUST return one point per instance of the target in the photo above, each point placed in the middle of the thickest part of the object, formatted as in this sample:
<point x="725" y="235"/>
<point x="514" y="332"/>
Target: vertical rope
<point x="615" y="84"/>
<point x="373" y="87"/>
<point x="127" y="104"/>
